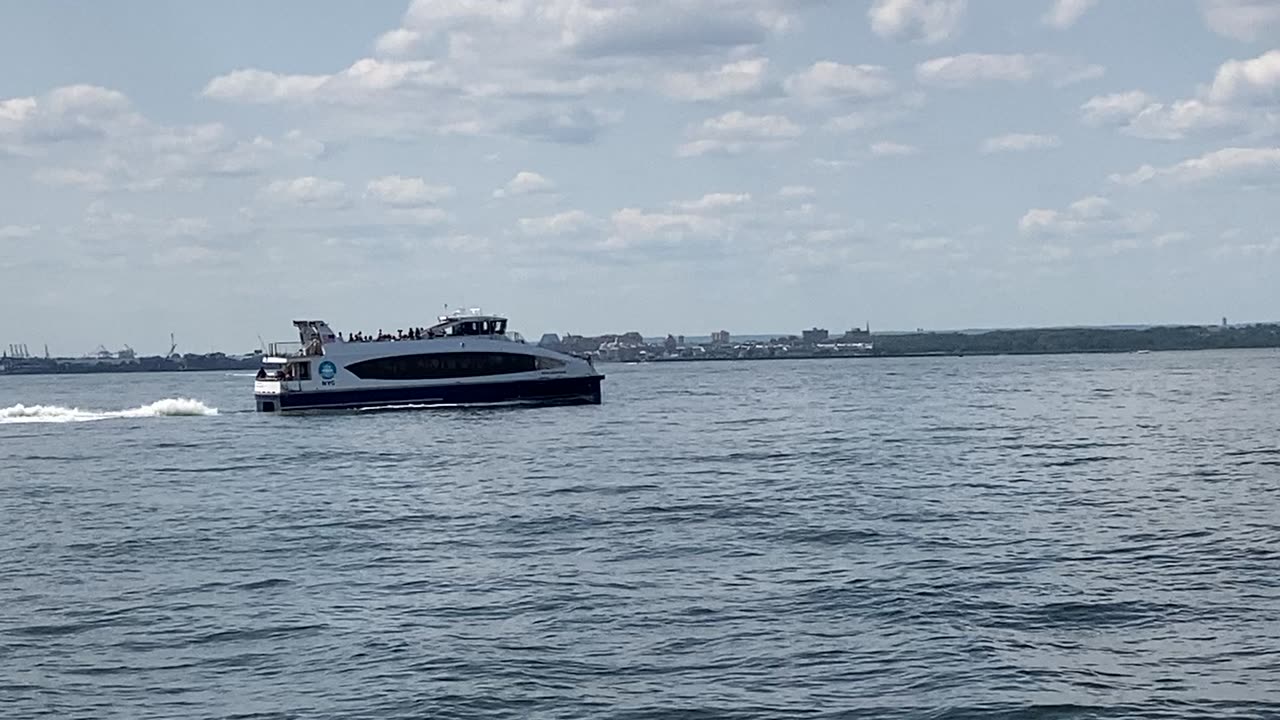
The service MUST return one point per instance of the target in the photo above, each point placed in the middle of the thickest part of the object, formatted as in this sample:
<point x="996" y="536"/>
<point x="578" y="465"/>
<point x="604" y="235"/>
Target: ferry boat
<point x="467" y="358"/>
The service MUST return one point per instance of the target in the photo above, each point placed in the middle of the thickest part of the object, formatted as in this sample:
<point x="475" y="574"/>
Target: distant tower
<point x="1224" y="321"/>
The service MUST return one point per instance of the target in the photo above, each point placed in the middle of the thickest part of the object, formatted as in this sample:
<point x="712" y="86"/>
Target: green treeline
<point x="1072" y="340"/>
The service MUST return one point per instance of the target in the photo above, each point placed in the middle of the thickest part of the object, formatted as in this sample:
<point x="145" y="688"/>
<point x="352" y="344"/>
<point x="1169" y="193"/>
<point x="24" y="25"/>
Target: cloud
<point x="1019" y="142"/>
<point x="1089" y="218"/>
<point x="1139" y="115"/>
<point x="1065" y="13"/>
<point x="1245" y="20"/>
<point x="742" y="77"/>
<point x="584" y="29"/>
<point x="525" y="182"/>
<point x="929" y="21"/>
<point x="633" y="227"/>
<point x="397" y="42"/>
<point x="1248" y="165"/>
<point x="307" y="191"/>
<point x="1115" y="107"/>
<point x="117" y="148"/>
<point x="1255" y="80"/>
<point x="571" y="126"/>
<point x="65" y="114"/>
<point x="18" y="232"/>
<point x="893" y="149"/>
<point x="969" y="69"/>
<point x="364" y="80"/>
<point x="406" y="192"/>
<point x="826" y="80"/>
<point x="714" y="201"/>
<point x="878" y="114"/>
<point x="736" y="131"/>
<point x="566" y="223"/>
<point x="1244" y="97"/>
<point x="544" y="71"/>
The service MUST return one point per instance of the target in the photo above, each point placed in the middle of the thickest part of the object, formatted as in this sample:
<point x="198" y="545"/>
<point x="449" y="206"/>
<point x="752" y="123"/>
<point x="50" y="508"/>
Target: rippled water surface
<point x="1056" y="537"/>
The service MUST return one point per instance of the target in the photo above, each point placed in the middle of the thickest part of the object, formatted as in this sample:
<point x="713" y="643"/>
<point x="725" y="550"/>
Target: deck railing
<point x="287" y="348"/>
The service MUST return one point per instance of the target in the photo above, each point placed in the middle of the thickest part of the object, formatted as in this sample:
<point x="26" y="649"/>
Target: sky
<point x="217" y="170"/>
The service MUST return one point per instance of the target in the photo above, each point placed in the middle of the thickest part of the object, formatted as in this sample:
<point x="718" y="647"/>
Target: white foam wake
<point x="170" y="407"/>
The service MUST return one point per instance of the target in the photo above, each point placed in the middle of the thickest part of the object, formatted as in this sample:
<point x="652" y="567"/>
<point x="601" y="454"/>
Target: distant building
<point x="814" y="336"/>
<point x="550" y="340"/>
<point x="720" y="338"/>
<point x="671" y="344"/>
<point x="680" y="340"/>
<point x="857" y="335"/>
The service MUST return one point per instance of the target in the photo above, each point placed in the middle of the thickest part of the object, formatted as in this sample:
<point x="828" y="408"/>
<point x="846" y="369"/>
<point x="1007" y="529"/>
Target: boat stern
<point x="269" y="385"/>
<point x="267" y="393"/>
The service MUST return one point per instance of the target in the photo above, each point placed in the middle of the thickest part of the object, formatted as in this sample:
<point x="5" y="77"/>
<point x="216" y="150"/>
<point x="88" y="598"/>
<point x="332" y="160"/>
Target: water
<point x="1056" y="537"/>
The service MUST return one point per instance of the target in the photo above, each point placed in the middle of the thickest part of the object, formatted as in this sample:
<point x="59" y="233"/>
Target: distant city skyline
<point x="665" y="166"/>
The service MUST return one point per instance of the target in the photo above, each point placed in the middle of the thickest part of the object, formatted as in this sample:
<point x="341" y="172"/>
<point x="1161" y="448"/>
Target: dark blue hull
<point x="557" y="391"/>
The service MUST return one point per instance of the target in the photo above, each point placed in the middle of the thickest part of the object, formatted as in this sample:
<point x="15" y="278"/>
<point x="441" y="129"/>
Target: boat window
<point x="546" y="363"/>
<point x="436" y="366"/>
<point x="301" y="371"/>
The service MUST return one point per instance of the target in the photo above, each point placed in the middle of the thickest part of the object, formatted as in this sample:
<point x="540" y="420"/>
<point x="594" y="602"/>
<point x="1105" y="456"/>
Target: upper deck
<point x="314" y="335"/>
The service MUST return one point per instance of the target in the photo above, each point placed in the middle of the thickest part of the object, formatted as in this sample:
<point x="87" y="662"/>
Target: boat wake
<point x="170" y="407"/>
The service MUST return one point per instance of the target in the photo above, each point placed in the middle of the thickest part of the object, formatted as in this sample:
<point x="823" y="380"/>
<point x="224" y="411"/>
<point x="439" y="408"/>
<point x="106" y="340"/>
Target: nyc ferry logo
<point x="328" y="371"/>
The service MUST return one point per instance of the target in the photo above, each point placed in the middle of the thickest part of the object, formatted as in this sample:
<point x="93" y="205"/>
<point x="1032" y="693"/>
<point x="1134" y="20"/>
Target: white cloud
<point x="1065" y="13"/>
<point x="406" y="192"/>
<point x="362" y="81"/>
<point x="736" y="131"/>
<point x="890" y="149"/>
<point x="714" y="201"/>
<point x="565" y="223"/>
<point x="826" y="80"/>
<point x="73" y="112"/>
<point x="622" y="28"/>
<point x="739" y="124"/>
<point x="1115" y="107"/>
<point x="1091" y="217"/>
<point x="969" y="69"/>
<point x="1019" y="142"/>
<point x="525" y="182"/>
<point x="1246" y="164"/>
<point x="307" y="191"/>
<point x="1245" y="20"/>
<point x="1255" y="80"/>
<point x="930" y="21"/>
<point x="398" y="42"/>
<point x="528" y="68"/>
<point x="633" y="226"/>
<point x="18" y="232"/>
<point x="742" y="77"/>
<point x="876" y="115"/>
<point x="1243" y="97"/>
<point x="117" y="148"/>
<point x="1173" y="122"/>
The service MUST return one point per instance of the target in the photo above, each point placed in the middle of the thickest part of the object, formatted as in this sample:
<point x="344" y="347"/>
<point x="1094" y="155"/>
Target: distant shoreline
<point x="940" y="354"/>
<point x="660" y="361"/>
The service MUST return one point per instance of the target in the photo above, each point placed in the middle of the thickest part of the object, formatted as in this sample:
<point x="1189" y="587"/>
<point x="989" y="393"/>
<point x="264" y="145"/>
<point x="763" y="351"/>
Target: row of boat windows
<point x="436" y="366"/>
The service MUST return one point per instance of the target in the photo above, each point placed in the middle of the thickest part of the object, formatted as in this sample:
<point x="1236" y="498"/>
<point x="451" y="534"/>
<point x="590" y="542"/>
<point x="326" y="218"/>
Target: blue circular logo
<point x="328" y="370"/>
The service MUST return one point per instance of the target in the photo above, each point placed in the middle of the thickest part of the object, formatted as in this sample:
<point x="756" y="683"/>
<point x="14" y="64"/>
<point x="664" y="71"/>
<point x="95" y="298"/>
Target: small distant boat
<point x="463" y="359"/>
